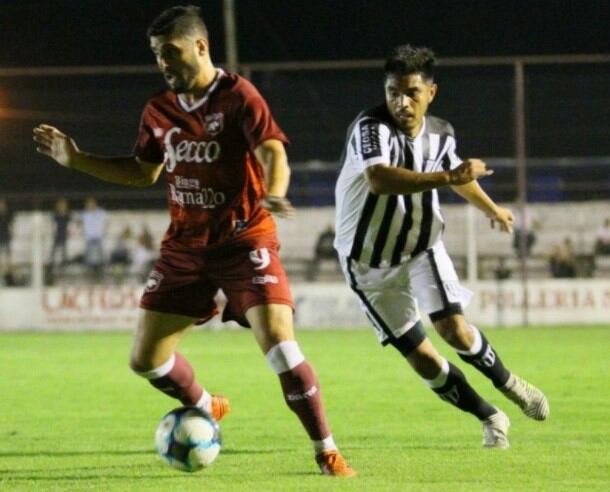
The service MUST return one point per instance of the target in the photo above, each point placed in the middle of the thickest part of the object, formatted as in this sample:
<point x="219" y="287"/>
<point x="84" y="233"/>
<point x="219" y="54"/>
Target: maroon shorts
<point x="248" y="272"/>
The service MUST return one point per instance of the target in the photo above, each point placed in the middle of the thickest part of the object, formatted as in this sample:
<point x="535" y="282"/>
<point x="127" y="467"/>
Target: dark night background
<point x="568" y="106"/>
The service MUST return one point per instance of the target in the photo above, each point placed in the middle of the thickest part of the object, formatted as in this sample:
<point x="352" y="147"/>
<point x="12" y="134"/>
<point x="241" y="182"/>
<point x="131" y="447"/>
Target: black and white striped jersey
<point x="385" y="230"/>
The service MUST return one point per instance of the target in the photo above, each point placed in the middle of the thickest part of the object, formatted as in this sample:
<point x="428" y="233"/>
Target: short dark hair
<point x="406" y="60"/>
<point x="182" y="20"/>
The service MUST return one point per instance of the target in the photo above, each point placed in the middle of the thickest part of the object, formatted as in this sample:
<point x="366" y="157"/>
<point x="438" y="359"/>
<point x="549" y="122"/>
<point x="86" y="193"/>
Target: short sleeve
<point x="451" y="160"/>
<point x="147" y="147"/>
<point x="371" y="140"/>
<point x="257" y="123"/>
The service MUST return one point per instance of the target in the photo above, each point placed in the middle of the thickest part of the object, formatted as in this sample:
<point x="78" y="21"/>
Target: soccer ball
<point x="188" y="439"/>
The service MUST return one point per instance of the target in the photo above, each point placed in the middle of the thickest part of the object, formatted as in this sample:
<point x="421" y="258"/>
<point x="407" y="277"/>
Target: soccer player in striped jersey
<point x="389" y="237"/>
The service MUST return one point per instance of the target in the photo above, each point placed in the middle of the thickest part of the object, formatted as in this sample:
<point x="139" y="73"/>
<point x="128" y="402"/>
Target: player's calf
<point x="302" y="395"/>
<point x="482" y="356"/>
<point x="446" y="380"/>
<point x="176" y="379"/>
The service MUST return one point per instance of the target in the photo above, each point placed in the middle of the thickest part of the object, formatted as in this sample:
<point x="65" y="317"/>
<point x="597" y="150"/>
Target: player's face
<point x="407" y="98"/>
<point x="178" y="61"/>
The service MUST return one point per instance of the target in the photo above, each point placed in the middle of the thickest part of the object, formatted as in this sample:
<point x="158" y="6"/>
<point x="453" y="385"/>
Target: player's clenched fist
<point x="55" y="144"/>
<point x="468" y="171"/>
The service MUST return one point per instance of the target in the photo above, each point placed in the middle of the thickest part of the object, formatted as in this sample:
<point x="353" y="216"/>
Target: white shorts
<point x="391" y="297"/>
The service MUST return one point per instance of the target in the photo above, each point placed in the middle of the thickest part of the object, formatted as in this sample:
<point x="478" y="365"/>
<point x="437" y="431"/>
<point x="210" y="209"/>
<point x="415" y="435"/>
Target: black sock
<point x="459" y="393"/>
<point x="488" y="362"/>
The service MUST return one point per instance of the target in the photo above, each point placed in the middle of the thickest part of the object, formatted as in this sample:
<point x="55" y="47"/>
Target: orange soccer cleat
<point x="333" y="463"/>
<point x="220" y="407"/>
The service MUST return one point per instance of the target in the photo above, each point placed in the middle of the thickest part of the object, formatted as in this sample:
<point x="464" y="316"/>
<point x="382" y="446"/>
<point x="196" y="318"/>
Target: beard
<point x="181" y="81"/>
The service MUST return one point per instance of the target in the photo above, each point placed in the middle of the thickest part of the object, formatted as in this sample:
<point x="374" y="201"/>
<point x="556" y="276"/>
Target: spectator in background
<point x="602" y="239"/>
<point x="525" y="229"/>
<point x="121" y="253"/>
<point x="562" y="260"/>
<point x="94" y="222"/>
<point x="61" y="221"/>
<point x="6" y="226"/>
<point x="323" y="251"/>
<point x="144" y="255"/>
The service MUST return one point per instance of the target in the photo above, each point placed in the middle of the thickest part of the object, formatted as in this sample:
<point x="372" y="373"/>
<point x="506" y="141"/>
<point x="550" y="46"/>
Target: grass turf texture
<point x="75" y="418"/>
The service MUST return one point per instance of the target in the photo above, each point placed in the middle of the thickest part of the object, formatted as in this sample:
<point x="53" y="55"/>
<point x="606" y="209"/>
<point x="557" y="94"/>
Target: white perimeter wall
<point x="318" y="305"/>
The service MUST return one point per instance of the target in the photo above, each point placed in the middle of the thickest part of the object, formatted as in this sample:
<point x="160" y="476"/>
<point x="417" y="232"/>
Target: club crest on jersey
<point x="214" y="123"/>
<point x="154" y="281"/>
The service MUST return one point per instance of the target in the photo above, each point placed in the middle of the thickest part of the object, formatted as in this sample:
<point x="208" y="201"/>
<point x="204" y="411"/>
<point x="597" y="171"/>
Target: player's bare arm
<point x="272" y="155"/>
<point x="474" y="194"/>
<point x="386" y="180"/>
<point x="125" y="170"/>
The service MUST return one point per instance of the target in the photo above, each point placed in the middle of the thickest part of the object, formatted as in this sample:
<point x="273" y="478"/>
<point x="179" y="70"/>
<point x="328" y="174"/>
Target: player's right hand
<point x="55" y="144"/>
<point x="468" y="171"/>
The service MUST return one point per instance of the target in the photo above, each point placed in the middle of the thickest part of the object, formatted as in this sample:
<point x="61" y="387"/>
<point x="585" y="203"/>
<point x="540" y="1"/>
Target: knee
<point x="284" y="356"/>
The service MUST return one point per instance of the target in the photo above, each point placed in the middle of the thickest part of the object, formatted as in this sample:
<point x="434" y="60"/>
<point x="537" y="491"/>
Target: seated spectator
<point x="602" y="239"/>
<point x="525" y="228"/>
<point x="144" y="255"/>
<point x="121" y="252"/>
<point x="562" y="261"/>
<point x="324" y="250"/>
<point x="502" y="271"/>
<point x="61" y="220"/>
<point x="6" y="226"/>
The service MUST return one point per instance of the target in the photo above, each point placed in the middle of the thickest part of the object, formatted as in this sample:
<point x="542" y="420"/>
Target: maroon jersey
<point x="214" y="181"/>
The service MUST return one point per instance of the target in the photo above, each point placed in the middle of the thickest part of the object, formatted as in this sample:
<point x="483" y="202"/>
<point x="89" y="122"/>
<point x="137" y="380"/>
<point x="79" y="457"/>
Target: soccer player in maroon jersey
<point x="226" y="170"/>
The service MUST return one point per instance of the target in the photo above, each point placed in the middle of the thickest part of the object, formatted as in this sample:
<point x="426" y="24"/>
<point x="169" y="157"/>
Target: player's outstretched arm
<point x="474" y="194"/>
<point x="272" y="155"/>
<point x="386" y="180"/>
<point x="125" y="170"/>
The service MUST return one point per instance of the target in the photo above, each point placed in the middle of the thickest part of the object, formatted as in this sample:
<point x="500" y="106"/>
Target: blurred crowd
<point x="130" y="252"/>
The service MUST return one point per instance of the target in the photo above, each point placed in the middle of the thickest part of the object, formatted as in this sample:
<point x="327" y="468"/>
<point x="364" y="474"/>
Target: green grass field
<point x="75" y="418"/>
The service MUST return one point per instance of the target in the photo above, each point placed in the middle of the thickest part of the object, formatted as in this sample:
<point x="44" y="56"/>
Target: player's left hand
<point x="279" y="206"/>
<point x="505" y="219"/>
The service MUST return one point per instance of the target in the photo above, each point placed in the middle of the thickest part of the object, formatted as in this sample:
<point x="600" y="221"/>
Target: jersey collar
<point x="201" y="101"/>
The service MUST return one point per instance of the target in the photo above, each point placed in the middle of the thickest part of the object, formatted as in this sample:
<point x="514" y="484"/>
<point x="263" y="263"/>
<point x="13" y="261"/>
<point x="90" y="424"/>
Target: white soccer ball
<point x="188" y="439"/>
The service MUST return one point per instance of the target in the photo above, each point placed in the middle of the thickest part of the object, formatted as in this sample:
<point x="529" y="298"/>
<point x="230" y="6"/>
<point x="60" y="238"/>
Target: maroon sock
<point x="179" y="382"/>
<point x="302" y="394"/>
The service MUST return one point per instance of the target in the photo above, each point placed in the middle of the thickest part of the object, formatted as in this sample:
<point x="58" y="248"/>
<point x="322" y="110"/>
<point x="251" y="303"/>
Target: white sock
<point x="324" y="445"/>
<point x="205" y="402"/>
<point x="441" y="378"/>
<point x="477" y="344"/>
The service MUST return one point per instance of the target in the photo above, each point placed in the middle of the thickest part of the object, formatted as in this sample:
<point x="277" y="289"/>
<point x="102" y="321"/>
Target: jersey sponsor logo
<point x="265" y="279"/>
<point x="154" y="281"/>
<point x="214" y="123"/>
<point x="187" y="183"/>
<point x="206" y="198"/>
<point x="188" y="151"/>
<point x="369" y="139"/>
<point x="260" y="257"/>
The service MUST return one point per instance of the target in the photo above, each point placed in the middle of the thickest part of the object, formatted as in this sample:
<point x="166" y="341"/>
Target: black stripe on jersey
<point x="384" y="229"/>
<point x="401" y="239"/>
<point x="426" y="223"/>
<point x="445" y="161"/>
<point x="449" y="308"/>
<point x="363" y="225"/>
<point x="437" y="277"/>
<point x="373" y="315"/>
